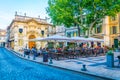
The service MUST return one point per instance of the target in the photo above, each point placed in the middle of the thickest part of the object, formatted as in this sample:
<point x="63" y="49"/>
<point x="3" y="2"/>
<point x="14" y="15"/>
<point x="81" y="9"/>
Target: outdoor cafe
<point x="61" y="47"/>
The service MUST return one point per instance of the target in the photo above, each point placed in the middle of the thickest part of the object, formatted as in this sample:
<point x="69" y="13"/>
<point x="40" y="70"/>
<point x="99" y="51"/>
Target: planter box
<point x="110" y="60"/>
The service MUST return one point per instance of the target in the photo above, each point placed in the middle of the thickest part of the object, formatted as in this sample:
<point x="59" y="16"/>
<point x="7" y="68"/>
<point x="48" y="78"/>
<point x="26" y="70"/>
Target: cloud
<point x="5" y="20"/>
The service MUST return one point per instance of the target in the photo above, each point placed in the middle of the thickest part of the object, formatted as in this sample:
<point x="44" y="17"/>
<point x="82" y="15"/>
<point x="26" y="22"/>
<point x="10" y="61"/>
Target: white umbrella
<point x="94" y="39"/>
<point x="36" y="39"/>
<point x="81" y="39"/>
<point x="56" y="38"/>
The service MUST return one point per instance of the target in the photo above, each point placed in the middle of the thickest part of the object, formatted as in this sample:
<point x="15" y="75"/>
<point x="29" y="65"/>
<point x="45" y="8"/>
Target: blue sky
<point x="32" y="8"/>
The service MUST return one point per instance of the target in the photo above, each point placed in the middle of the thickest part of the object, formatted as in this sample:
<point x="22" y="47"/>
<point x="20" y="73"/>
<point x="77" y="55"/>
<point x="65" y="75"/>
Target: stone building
<point x="24" y="28"/>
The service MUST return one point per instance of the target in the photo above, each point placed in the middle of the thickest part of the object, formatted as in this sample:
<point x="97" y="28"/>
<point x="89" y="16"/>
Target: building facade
<point x="60" y="30"/>
<point x="71" y="32"/>
<point x="111" y="30"/>
<point x="24" y="28"/>
<point x="2" y="38"/>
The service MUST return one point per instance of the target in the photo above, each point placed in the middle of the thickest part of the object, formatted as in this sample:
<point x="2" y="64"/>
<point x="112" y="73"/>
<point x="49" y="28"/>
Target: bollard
<point x="83" y="68"/>
<point x="51" y="62"/>
<point x="24" y="55"/>
<point x="28" y="56"/>
<point x="34" y="57"/>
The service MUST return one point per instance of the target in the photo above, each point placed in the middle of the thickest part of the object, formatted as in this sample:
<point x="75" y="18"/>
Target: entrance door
<point x="116" y="43"/>
<point x="31" y="43"/>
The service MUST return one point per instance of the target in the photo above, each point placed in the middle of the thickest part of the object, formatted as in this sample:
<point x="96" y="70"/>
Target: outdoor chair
<point x="71" y="54"/>
<point x="82" y="52"/>
<point x="77" y="53"/>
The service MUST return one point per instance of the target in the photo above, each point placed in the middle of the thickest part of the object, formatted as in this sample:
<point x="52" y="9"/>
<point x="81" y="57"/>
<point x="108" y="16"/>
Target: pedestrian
<point x="118" y="60"/>
<point x="34" y="53"/>
<point x="39" y="52"/>
<point x="25" y="50"/>
<point x="28" y="52"/>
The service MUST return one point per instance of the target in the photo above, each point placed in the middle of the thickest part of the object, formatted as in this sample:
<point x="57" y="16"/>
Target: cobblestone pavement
<point x="94" y="65"/>
<point x="14" y="68"/>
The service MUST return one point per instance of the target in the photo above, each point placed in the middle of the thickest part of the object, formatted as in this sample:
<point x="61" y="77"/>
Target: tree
<point x="72" y="12"/>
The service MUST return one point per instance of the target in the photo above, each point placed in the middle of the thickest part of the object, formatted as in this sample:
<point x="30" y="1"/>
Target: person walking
<point x="25" y="50"/>
<point x="118" y="60"/>
<point x="34" y="51"/>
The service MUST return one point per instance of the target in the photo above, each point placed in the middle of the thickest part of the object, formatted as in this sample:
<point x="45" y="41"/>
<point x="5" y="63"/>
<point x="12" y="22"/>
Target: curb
<point x="47" y="64"/>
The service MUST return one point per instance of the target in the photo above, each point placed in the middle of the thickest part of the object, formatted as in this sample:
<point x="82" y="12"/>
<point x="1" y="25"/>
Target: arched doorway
<point x="31" y="43"/>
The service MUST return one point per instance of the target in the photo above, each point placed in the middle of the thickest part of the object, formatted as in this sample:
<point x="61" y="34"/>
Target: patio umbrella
<point x="56" y="38"/>
<point x="36" y="39"/>
<point x="78" y="39"/>
<point x="94" y="39"/>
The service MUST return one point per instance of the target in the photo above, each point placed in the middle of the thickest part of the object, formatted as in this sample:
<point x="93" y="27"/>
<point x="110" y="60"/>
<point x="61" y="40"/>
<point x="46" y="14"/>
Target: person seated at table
<point x="59" y="50"/>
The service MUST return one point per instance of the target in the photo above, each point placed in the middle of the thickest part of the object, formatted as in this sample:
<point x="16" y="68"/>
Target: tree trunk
<point x="78" y="31"/>
<point x="90" y="29"/>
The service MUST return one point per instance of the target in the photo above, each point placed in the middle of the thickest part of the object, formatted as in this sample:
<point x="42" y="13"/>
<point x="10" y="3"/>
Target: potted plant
<point x="110" y="58"/>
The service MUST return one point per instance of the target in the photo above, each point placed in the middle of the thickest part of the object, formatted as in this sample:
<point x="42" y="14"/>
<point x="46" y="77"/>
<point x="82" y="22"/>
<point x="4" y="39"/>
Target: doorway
<point x="31" y="43"/>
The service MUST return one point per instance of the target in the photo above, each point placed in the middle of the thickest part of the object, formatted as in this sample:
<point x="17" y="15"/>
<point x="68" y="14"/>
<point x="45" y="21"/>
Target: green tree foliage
<point x="71" y="12"/>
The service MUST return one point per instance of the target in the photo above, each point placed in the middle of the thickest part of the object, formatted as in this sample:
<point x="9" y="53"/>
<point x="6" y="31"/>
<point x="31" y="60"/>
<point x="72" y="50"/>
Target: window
<point x="69" y="34"/>
<point x="42" y="32"/>
<point x="113" y="18"/>
<point x="99" y="29"/>
<point x="20" y="42"/>
<point x="20" y="30"/>
<point x="113" y="30"/>
<point x="74" y="34"/>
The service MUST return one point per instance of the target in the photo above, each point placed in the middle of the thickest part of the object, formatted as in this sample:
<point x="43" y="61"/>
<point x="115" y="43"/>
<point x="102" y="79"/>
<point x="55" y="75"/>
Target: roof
<point x="19" y="18"/>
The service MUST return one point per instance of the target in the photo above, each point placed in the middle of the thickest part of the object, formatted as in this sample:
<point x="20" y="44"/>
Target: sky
<point x="33" y="8"/>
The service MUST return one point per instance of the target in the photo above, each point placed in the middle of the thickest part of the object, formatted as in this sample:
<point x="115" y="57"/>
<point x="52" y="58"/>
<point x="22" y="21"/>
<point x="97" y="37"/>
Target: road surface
<point x="15" y="68"/>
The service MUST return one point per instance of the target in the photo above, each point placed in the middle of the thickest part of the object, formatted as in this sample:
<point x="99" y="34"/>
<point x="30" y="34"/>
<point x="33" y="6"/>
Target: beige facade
<point x="24" y="28"/>
<point x="108" y="30"/>
<point x="111" y="29"/>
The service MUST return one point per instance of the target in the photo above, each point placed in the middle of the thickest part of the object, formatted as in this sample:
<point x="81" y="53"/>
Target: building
<point x="24" y="28"/>
<point x="111" y="30"/>
<point x="71" y="32"/>
<point x="60" y="30"/>
<point x="2" y="38"/>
